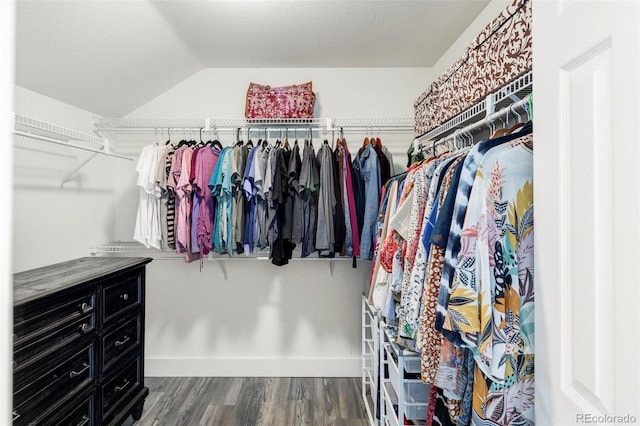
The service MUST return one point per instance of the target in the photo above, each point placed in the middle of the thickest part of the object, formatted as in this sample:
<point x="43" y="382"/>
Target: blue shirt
<point x="366" y="165"/>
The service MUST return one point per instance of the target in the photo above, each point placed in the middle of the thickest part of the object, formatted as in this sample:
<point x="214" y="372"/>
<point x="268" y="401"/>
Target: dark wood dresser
<point x="79" y="342"/>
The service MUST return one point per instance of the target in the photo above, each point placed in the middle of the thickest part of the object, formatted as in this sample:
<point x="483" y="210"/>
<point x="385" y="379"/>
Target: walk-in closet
<point x="319" y="212"/>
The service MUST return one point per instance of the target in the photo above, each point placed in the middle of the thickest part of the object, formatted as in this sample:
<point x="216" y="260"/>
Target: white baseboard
<point x="253" y="367"/>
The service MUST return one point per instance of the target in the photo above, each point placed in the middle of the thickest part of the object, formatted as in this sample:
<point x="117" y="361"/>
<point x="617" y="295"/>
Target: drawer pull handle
<point x="84" y="421"/>
<point x="123" y="387"/>
<point x="124" y="296"/>
<point x="122" y="342"/>
<point x="84" y="328"/>
<point x="73" y="373"/>
<point x="15" y="415"/>
<point x="85" y="308"/>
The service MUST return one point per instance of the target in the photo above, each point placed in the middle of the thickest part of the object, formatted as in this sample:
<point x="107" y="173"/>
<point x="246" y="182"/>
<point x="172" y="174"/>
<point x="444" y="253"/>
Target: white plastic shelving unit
<point x="370" y="360"/>
<point x="404" y="397"/>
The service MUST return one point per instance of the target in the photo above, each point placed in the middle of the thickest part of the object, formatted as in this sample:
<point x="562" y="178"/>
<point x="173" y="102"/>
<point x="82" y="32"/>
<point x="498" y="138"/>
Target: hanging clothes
<point x="147" y="228"/>
<point x="493" y="284"/>
<point x="206" y="161"/>
<point x="184" y="203"/>
<point x="309" y="186"/>
<point x="220" y="186"/>
<point x="170" y="201"/>
<point x="452" y="275"/>
<point x="351" y="245"/>
<point x="367" y="167"/>
<point x="297" y="216"/>
<point x="238" y="165"/>
<point x="351" y="220"/>
<point x="250" y="192"/>
<point x="230" y="200"/>
<point x="325" y="236"/>
<point x="195" y="203"/>
<point x="263" y="182"/>
<point x="162" y="171"/>
<point x="281" y="249"/>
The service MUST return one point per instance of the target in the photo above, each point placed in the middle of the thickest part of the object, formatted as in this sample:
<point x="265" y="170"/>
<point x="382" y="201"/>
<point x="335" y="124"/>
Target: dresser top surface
<point x="42" y="281"/>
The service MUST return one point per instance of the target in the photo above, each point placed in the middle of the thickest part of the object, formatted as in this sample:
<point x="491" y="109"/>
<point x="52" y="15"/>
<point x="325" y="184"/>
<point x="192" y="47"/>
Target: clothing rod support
<point x="69" y="175"/>
<point x="69" y="144"/>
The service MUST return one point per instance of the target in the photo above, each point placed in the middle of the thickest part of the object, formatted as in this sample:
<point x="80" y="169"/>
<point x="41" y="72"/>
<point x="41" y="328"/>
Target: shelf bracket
<point x="223" y="268"/>
<point x="69" y="175"/>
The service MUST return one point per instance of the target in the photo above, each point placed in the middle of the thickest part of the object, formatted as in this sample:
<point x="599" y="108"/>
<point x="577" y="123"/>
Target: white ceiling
<point x="109" y="57"/>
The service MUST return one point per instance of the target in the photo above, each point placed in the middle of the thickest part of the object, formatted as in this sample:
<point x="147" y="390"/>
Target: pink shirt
<point x="205" y="163"/>
<point x="183" y="204"/>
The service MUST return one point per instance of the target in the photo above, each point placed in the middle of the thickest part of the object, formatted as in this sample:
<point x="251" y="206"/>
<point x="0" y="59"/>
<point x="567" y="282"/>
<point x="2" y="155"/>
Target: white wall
<point x="296" y="320"/>
<point x="7" y="60"/>
<point x="457" y="49"/>
<point x="53" y="224"/>
<point x="341" y="92"/>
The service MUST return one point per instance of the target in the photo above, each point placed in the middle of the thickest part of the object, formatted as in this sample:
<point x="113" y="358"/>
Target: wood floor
<point x="233" y="401"/>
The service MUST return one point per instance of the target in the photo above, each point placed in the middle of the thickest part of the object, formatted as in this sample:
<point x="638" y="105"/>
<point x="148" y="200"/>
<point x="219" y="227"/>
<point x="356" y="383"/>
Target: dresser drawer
<point x="51" y="381"/>
<point x="121" y="297"/>
<point x="82" y="415"/>
<point x="120" y="341"/>
<point x="62" y="335"/>
<point x="76" y="411"/>
<point x="41" y="318"/>
<point x="118" y="389"/>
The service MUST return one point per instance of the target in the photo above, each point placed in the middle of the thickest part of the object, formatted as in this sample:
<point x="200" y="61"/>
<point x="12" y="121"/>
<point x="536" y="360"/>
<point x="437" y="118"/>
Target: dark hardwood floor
<point x="248" y="401"/>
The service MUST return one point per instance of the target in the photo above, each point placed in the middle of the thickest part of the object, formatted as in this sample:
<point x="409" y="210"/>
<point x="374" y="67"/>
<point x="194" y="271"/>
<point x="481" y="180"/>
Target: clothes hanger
<point x="470" y="135"/>
<point x="239" y="142"/>
<point x="343" y="141"/>
<point x="519" y="124"/>
<point x="365" y="142"/>
<point x="201" y="143"/>
<point x="515" y="128"/>
<point x="455" y="139"/>
<point x="500" y="132"/>
<point x="378" y="142"/>
<point x="215" y="143"/>
<point x="285" y="144"/>
<point x="492" y="127"/>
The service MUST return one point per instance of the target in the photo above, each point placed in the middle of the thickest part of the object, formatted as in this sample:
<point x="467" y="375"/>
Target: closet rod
<point x="255" y="128"/>
<point x="522" y="103"/>
<point x="70" y="144"/>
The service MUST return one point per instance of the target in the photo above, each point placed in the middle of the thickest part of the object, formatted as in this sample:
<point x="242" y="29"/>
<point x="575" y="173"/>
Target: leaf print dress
<point x="491" y="306"/>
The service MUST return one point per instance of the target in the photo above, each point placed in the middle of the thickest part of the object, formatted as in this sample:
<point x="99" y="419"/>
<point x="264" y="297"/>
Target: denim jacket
<point x="367" y="168"/>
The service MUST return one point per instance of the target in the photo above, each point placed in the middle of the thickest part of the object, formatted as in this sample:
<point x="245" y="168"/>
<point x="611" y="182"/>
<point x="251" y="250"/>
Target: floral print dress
<point x="491" y="305"/>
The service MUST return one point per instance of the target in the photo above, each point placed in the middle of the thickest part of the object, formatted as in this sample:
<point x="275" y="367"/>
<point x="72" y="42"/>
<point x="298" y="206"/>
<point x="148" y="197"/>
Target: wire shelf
<point x="211" y="124"/>
<point x="459" y="120"/>
<point x="124" y="248"/>
<point x="53" y="131"/>
<point x="51" y="138"/>
<point x="512" y="93"/>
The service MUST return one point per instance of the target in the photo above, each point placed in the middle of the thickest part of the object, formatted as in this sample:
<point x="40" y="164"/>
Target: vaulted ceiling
<point x="109" y="57"/>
